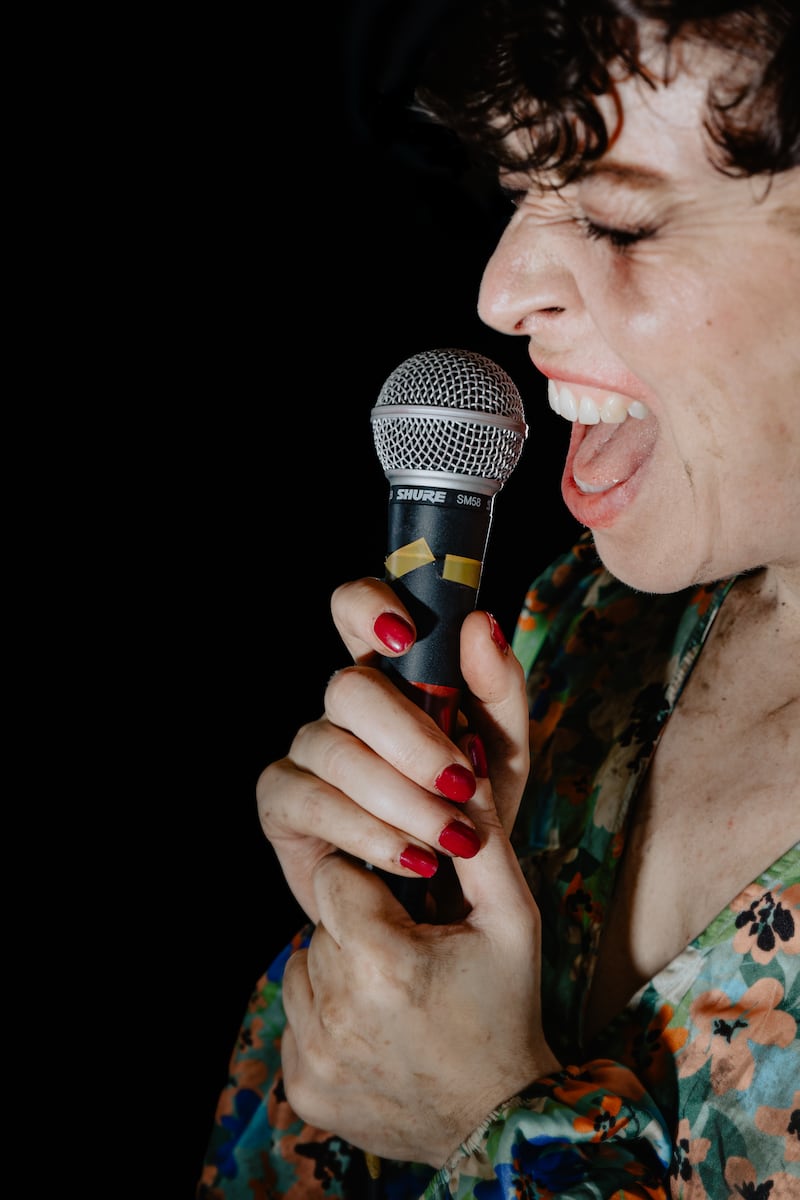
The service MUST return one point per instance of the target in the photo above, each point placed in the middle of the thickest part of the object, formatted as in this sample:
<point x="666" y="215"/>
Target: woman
<point x="606" y="997"/>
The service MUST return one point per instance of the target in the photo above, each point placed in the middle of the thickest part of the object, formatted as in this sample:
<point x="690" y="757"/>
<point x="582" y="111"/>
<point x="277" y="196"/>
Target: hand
<point x="370" y="777"/>
<point x="402" y="1038"/>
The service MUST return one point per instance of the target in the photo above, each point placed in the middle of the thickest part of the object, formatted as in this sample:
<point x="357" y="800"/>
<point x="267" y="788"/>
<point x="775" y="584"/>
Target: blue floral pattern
<point x="693" y="1091"/>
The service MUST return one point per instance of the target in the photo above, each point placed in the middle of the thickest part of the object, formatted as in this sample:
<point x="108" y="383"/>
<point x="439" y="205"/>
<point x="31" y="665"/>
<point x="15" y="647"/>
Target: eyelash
<point x="620" y="239"/>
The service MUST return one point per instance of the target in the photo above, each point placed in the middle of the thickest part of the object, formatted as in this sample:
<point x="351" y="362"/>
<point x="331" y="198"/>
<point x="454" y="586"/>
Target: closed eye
<point x="515" y="196"/>
<point x="619" y="238"/>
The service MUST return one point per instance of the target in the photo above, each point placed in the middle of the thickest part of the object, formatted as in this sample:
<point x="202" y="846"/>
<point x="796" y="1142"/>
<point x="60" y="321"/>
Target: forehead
<point x="661" y="127"/>
<point x="657" y="129"/>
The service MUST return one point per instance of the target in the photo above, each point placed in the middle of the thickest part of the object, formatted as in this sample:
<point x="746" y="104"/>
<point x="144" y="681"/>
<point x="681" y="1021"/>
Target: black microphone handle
<point x="437" y="542"/>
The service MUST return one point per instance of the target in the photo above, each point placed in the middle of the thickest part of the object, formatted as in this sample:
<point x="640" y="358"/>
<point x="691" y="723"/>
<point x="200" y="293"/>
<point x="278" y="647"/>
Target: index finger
<point x="371" y="619"/>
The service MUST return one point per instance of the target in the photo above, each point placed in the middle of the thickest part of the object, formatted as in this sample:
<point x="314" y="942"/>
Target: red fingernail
<point x="456" y="783"/>
<point x="498" y="637"/>
<point x="419" y="860"/>
<point x="459" y="839"/>
<point x="395" y="633"/>
<point x="477" y="756"/>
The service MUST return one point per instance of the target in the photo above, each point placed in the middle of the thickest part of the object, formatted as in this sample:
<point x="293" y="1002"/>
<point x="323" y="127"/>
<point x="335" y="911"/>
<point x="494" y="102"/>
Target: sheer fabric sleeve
<point x="586" y="1133"/>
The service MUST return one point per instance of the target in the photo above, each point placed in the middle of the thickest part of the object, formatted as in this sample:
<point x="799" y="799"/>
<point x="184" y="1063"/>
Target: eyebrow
<point x="633" y="176"/>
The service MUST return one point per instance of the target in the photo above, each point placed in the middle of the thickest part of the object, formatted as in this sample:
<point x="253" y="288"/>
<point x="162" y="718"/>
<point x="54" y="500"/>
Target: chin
<point x="645" y="570"/>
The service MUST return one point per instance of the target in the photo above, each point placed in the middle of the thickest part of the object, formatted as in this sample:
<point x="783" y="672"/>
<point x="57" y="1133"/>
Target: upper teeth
<point x="588" y="410"/>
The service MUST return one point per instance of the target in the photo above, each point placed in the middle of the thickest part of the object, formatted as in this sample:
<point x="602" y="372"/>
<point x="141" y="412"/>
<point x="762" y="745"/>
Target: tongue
<point x="610" y="454"/>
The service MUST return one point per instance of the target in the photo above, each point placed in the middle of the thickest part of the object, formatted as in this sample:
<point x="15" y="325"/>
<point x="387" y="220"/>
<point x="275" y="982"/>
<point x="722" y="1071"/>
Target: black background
<point x="322" y="237"/>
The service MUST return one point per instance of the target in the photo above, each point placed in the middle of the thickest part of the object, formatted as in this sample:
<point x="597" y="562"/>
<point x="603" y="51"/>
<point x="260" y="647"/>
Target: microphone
<point x="449" y="428"/>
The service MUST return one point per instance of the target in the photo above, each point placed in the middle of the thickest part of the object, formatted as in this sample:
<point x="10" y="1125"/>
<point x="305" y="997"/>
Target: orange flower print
<point x="561" y="575"/>
<point x="600" y="1076"/>
<point x="602" y="1121"/>
<point x="725" y="1030"/>
<point x="654" y="1047"/>
<point x="688" y="1152"/>
<point x="741" y="1179"/>
<point x="768" y="922"/>
<point x="702" y="599"/>
<point x="577" y="901"/>
<point x="783" y="1122"/>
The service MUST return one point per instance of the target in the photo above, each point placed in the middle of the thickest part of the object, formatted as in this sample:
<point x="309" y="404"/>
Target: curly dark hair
<point x="536" y="68"/>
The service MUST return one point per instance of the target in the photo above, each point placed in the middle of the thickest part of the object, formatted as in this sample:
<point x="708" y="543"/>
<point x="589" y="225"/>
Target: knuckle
<point x="343" y="689"/>
<point x="268" y="790"/>
<point x="308" y="808"/>
<point x="302" y="742"/>
<point x="355" y="604"/>
<point x="301" y="1098"/>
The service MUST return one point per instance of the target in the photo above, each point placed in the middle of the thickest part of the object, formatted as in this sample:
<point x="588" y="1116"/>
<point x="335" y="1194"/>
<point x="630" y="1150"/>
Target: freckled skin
<point x="702" y="315"/>
<point x="425" y="1029"/>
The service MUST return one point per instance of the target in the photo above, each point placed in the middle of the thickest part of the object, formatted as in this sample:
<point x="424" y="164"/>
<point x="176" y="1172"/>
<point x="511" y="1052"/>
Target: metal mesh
<point x="448" y="386"/>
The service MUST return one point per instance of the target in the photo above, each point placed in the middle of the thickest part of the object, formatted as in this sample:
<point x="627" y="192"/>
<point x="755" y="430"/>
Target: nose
<point x="528" y="286"/>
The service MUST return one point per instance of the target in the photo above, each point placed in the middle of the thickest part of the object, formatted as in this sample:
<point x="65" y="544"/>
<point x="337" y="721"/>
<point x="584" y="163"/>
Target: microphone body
<point x="437" y="540"/>
<point x="449" y="428"/>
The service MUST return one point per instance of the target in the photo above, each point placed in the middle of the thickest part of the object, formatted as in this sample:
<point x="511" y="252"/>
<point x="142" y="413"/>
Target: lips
<point x="613" y="436"/>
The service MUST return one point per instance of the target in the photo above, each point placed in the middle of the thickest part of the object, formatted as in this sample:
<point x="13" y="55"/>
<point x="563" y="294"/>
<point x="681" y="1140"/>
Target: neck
<point x="783" y="583"/>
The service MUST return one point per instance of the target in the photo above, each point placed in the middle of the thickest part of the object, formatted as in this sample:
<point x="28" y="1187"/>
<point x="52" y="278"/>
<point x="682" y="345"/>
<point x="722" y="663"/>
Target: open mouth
<point x="592" y="407"/>
<point x="613" y="436"/>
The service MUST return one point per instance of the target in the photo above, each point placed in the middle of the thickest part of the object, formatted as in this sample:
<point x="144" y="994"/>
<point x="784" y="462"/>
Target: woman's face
<point x="658" y="288"/>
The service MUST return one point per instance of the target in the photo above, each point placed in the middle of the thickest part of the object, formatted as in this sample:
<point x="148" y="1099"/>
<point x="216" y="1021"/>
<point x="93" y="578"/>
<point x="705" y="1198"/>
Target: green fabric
<point x="694" y="1090"/>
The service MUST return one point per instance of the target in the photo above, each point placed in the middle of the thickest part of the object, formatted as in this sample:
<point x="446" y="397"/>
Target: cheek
<point x="664" y="302"/>
<point x="679" y="326"/>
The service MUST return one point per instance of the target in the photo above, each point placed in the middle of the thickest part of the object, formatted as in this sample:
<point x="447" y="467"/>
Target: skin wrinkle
<point x="703" y="420"/>
<point x="421" y="984"/>
<point x="774" y="712"/>
<point x="713" y="494"/>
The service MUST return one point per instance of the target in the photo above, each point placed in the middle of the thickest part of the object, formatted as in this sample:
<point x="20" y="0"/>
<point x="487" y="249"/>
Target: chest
<point x="720" y="803"/>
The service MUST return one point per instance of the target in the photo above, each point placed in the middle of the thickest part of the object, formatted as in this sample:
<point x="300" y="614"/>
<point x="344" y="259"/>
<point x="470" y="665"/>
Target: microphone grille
<point x="449" y="413"/>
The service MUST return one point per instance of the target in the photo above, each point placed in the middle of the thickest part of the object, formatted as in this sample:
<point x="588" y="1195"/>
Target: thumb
<point x="498" y="709"/>
<point x="494" y="887"/>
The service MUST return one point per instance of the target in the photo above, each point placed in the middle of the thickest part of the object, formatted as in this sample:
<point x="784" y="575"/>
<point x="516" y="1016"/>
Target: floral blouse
<point x="693" y="1091"/>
